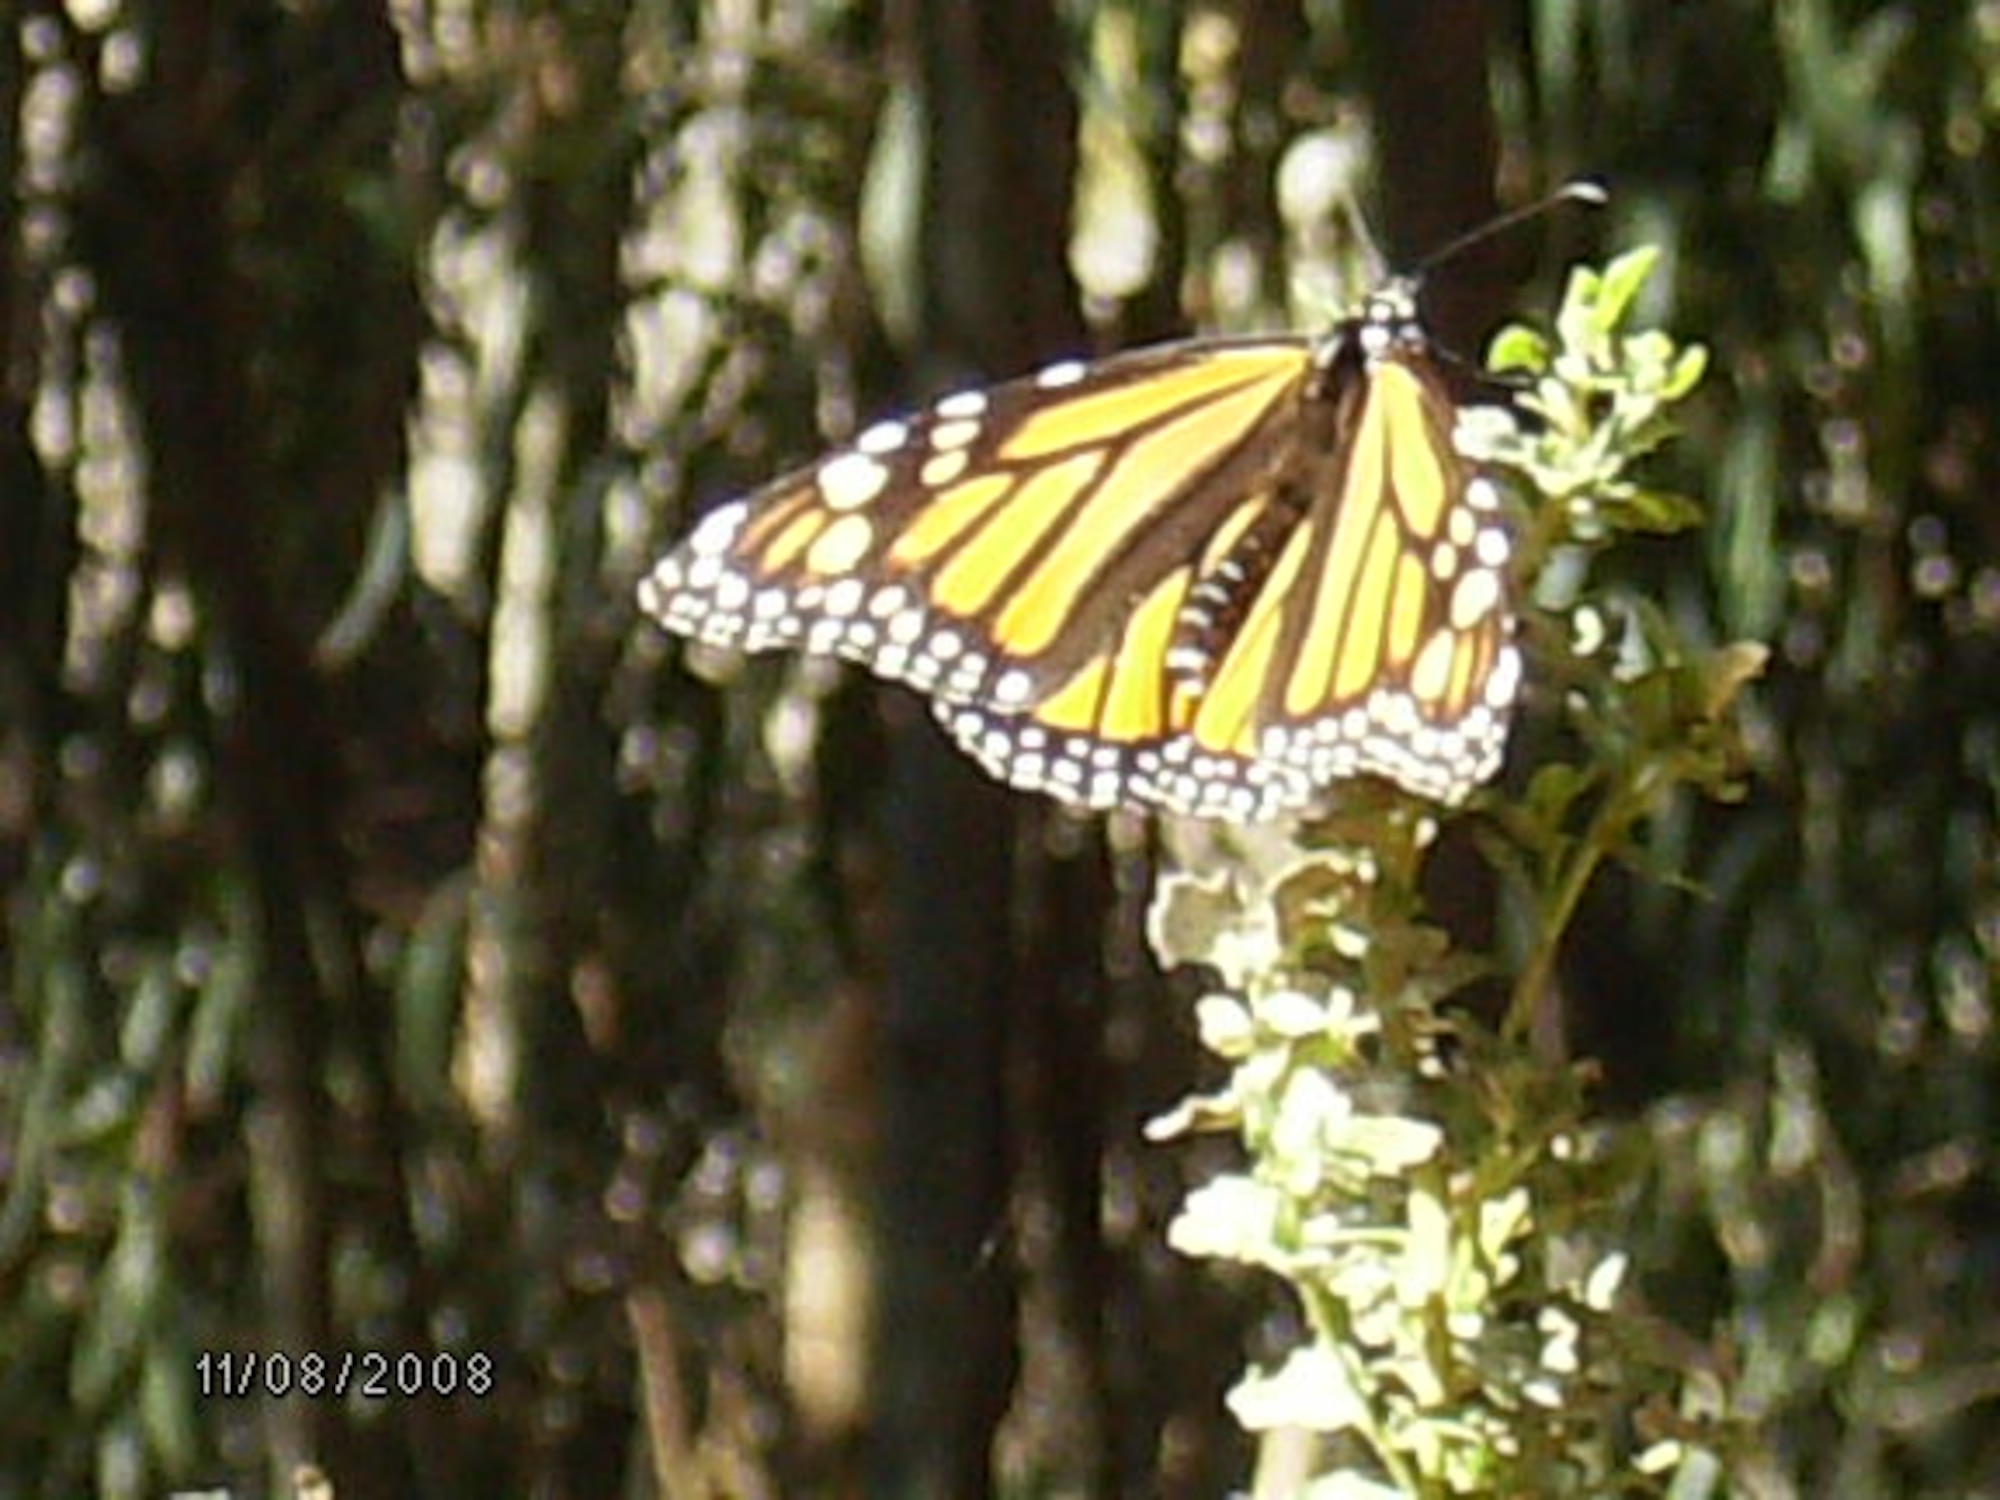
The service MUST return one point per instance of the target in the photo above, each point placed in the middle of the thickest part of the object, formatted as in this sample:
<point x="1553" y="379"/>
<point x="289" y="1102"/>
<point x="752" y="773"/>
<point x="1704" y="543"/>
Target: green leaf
<point x="1518" y="347"/>
<point x="1426" y="1261"/>
<point x="1225" y="1026"/>
<point x="1201" y="1112"/>
<point x="1621" y="283"/>
<point x="1311" y="1389"/>
<point x="1231" y="1218"/>
<point x="1726" y="671"/>
<point x="1555" y="790"/>
<point x="1292" y="1015"/>
<point x="1687" y="372"/>
<point x="1390" y="1144"/>
<point x="1659" y="512"/>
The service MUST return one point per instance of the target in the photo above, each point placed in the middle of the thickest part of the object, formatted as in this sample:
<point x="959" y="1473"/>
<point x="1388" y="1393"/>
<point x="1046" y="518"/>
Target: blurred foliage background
<point x="406" y="949"/>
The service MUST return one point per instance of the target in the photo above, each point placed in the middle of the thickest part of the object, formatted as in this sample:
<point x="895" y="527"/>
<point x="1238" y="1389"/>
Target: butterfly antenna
<point x="1579" y="190"/>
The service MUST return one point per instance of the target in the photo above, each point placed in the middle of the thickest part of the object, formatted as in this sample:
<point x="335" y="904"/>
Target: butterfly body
<point x="1213" y="578"/>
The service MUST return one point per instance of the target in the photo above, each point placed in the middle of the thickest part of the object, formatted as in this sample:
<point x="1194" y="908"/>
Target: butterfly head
<point x="1389" y="319"/>
<point x="1389" y="322"/>
<point x="1387" y="325"/>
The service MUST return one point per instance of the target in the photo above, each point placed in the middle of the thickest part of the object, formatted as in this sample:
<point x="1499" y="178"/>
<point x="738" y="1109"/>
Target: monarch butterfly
<point x="1211" y="577"/>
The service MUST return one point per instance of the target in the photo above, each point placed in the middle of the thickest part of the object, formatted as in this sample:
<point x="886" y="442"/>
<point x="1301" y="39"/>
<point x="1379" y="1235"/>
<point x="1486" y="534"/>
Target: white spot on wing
<point x="941" y="469"/>
<point x="717" y="531"/>
<point x="1431" y="673"/>
<point x="851" y="480"/>
<point x="838" y="549"/>
<point x="1475" y="596"/>
<point x="883" y="437"/>
<point x="949" y="435"/>
<point x="1013" y="688"/>
<point x="962" y="404"/>
<point x="1504" y="682"/>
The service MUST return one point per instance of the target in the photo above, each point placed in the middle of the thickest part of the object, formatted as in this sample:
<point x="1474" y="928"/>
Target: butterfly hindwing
<point x="1394" y="654"/>
<point x="1211" y="578"/>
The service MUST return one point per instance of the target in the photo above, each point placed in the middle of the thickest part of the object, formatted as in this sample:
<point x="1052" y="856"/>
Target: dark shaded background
<point x="406" y="949"/>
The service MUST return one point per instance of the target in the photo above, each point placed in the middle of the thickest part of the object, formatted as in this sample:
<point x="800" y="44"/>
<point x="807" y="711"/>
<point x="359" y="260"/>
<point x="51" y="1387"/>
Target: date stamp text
<point x="363" y="1374"/>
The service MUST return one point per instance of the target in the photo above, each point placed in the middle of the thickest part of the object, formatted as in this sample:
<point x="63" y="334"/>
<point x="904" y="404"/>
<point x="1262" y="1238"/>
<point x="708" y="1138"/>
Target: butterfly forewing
<point x="1211" y="578"/>
<point x="983" y="549"/>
